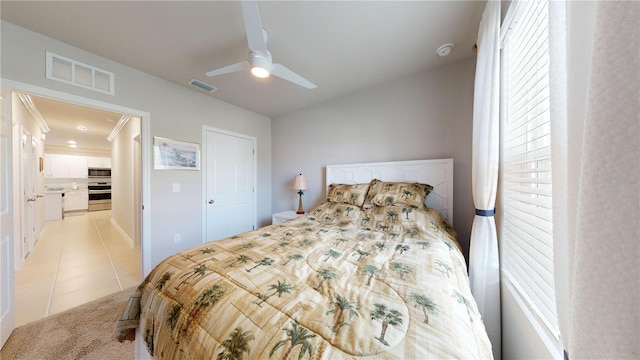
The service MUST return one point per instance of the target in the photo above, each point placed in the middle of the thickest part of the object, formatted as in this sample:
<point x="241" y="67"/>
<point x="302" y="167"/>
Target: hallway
<point x="78" y="259"/>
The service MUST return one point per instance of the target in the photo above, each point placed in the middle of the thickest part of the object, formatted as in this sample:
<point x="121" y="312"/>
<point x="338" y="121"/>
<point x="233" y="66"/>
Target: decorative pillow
<point x="383" y="193"/>
<point x="353" y="194"/>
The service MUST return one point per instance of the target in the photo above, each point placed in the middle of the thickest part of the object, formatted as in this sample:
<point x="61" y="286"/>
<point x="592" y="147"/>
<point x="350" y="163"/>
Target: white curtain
<point x="595" y="112"/>
<point x="483" y="252"/>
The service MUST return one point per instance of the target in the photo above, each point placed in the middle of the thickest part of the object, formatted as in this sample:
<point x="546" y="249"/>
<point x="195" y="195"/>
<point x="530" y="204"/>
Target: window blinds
<point x="526" y="222"/>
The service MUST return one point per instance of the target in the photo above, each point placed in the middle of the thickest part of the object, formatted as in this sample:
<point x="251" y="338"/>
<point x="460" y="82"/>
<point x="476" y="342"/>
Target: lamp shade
<point x="300" y="182"/>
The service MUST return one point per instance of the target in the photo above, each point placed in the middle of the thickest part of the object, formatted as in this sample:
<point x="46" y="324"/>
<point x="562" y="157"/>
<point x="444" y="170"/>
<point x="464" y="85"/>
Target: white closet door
<point x="230" y="185"/>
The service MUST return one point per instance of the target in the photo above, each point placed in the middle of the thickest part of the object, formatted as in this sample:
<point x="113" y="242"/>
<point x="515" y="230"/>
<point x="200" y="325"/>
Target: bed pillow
<point x="383" y="193"/>
<point x="352" y="194"/>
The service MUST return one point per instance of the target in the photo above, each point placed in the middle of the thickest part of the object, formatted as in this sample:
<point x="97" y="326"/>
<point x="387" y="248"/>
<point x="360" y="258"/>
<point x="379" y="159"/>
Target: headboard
<point x="437" y="173"/>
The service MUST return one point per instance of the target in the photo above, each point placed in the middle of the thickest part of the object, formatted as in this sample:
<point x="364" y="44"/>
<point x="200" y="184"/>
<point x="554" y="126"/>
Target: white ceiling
<point x="341" y="46"/>
<point x="64" y="118"/>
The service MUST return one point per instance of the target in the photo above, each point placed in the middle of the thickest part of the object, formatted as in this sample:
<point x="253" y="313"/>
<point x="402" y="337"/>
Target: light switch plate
<point x="176" y="187"/>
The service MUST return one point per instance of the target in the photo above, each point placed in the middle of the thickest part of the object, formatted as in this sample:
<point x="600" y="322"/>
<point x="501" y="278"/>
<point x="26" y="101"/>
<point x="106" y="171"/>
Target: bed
<point x="371" y="273"/>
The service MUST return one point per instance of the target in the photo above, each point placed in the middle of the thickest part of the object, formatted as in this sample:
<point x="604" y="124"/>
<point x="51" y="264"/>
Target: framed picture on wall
<point x="171" y="154"/>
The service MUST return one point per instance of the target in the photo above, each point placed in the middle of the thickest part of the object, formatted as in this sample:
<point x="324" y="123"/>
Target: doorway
<point x="140" y="163"/>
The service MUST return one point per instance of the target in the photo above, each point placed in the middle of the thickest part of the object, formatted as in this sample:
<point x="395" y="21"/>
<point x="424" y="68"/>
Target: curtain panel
<point x="595" y="110"/>
<point x="483" y="252"/>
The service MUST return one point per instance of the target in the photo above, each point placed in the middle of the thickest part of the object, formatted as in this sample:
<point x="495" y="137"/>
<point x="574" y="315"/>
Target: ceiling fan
<point x="260" y="60"/>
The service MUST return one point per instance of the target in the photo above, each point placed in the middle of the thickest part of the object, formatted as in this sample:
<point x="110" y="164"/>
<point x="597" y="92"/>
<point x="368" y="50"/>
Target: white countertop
<point x="62" y="190"/>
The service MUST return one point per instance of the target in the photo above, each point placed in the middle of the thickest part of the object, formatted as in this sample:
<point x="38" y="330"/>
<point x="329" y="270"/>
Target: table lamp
<point x="300" y="184"/>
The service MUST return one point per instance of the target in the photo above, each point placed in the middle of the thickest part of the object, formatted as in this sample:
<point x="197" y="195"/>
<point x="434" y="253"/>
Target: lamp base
<point x="300" y="210"/>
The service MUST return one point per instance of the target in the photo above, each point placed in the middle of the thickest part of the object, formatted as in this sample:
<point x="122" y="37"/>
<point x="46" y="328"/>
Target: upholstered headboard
<point x="437" y="173"/>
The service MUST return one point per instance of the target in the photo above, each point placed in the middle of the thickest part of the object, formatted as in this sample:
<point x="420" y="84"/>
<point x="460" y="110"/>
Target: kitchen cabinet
<point x="99" y="162"/>
<point x="75" y="200"/>
<point x="78" y="167"/>
<point x="55" y="166"/>
<point x="62" y="166"/>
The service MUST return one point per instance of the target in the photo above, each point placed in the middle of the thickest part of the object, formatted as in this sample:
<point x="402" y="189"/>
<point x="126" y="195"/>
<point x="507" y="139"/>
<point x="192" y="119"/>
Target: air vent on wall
<point x="202" y="86"/>
<point x="76" y="73"/>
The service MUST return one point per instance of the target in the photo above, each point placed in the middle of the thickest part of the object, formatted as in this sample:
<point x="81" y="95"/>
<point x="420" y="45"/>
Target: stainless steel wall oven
<point x="99" y="194"/>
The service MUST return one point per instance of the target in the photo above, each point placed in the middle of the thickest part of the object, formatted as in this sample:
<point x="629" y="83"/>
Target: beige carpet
<point x="84" y="332"/>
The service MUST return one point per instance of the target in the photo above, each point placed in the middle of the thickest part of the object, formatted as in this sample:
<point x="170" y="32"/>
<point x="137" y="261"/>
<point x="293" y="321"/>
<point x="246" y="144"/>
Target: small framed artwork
<point x="171" y="154"/>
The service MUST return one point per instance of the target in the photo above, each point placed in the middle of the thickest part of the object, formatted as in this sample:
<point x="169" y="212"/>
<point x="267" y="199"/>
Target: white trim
<point x="124" y="119"/>
<point x="124" y="234"/>
<point x="508" y="22"/>
<point x="137" y="231"/>
<point x="550" y="340"/>
<point x="203" y="169"/>
<point x="145" y="140"/>
<point x="437" y="173"/>
<point x="7" y="236"/>
<point x="33" y="110"/>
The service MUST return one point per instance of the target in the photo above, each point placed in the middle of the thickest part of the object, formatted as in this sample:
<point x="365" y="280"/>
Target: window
<point x="526" y="219"/>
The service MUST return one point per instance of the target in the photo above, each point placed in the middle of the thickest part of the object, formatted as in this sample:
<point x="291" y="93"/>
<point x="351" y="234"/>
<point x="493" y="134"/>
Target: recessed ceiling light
<point x="444" y="50"/>
<point x="72" y="142"/>
<point x="73" y="146"/>
<point x="81" y="128"/>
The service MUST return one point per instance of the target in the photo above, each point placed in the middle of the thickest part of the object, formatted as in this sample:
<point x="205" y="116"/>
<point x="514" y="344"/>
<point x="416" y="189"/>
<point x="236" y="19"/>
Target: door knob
<point x="211" y="201"/>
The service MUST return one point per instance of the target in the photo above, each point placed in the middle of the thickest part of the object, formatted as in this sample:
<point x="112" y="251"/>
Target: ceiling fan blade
<point x="229" y="69"/>
<point x="253" y="26"/>
<point x="283" y="72"/>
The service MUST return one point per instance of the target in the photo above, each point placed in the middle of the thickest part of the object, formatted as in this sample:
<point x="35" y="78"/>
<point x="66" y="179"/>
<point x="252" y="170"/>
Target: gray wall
<point x="175" y="111"/>
<point x="428" y="115"/>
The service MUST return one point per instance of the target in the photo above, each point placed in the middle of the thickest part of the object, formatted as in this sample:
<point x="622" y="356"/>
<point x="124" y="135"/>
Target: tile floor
<point x="78" y="259"/>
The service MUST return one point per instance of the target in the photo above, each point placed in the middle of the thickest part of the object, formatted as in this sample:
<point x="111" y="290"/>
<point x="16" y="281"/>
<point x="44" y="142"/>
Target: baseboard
<point x="124" y="234"/>
<point x="40" y="234"/>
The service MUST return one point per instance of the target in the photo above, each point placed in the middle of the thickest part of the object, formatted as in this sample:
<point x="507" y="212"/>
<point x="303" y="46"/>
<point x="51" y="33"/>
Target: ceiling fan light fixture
<point x="260" y="72"/>
<point x="260" y="64"/>
<point x="260" y="61"/>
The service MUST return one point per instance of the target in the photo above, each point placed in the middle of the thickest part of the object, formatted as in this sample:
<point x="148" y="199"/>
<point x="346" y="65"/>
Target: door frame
<point x="203" y="170"/>
<point x="145" y="139"/>
<point x="7" y="224"/>
<point x="137" y="187"/>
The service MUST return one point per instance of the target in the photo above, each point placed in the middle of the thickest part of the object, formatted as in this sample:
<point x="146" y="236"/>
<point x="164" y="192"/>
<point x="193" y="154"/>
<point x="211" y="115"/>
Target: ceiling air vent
<point x="76" y="73"/>
<point x="202" y="86"/>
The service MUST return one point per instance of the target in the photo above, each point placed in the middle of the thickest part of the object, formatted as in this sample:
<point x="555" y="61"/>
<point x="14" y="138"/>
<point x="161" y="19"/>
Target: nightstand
<point x="283" y="216"/>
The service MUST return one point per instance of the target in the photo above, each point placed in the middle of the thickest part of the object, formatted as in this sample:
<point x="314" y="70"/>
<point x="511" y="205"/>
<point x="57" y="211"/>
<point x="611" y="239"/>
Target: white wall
<point x="428" y="115"/>
<point x="58" y="149"/>
<point x="122" y="178"/>
<point x="175" y="112"/>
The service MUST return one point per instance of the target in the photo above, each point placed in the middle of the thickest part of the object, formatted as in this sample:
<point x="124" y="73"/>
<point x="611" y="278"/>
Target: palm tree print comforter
<point x="338" y="283"/>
